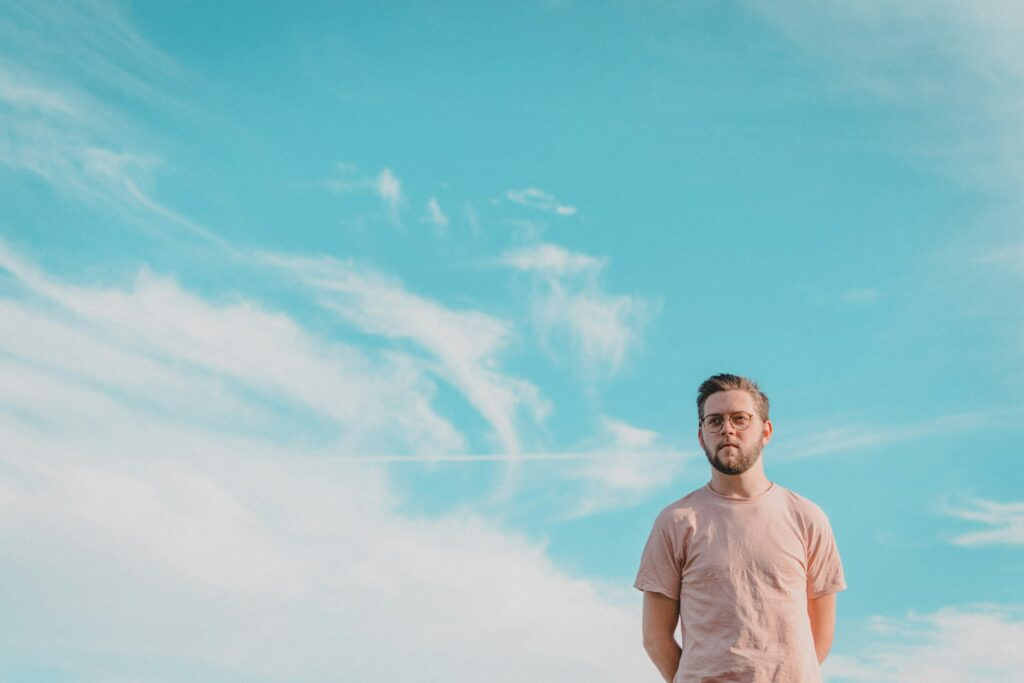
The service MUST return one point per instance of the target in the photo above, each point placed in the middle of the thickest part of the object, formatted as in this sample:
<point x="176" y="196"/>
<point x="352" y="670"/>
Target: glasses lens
<point x="740" y="420"/>
<point x="713" y="423"/>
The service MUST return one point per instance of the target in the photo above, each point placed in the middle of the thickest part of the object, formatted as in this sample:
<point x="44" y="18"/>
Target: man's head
<point x="726" y="382"/>
<point x="734" y="424"/>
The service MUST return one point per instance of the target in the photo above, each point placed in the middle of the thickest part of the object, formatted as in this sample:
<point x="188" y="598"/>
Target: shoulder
<point x="683" y="511"/>
<point x="804" y="508"/>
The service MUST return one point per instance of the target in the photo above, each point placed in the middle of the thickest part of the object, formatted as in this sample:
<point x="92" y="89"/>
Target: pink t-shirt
<point x="743" y="570"/>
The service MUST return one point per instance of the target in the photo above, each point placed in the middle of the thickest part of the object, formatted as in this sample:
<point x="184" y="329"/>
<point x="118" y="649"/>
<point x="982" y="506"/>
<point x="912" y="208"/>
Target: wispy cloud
<point x="389" y="189"/>
<point x="92" y="42"/>
<point x="19" y="92"/>
<point x="385" y="185"/>
<point x="82" y="149"/>
<point x="248" y="355"/>
<point x="619" y="466"/>
<point x="169" y="495"/>
<point x="952" y="68"/>
<point x="625" y="464"/>
<point x="952" y="645"/>
<point x="1009" y="256"/>
<point x="1005" y="522"/>
<point x="540" y="200"/>
<point x="570" y="304"/>
<point x="551" y="259"/>
<point x="435" y="215"/>
<point x="466" y="343"/>
<point x="854" y="437"/>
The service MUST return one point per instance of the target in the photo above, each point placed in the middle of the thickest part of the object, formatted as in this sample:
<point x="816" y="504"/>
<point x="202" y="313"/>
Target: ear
<point x="700" y="437"/>
<point x="766" y="432"/>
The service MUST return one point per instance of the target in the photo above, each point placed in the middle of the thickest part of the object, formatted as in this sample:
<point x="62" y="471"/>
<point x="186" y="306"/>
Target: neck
<point x="751" y="483"/>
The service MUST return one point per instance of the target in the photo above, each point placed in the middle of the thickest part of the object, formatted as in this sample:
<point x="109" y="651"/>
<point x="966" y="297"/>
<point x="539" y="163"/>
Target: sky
<point x="360" y="341"/>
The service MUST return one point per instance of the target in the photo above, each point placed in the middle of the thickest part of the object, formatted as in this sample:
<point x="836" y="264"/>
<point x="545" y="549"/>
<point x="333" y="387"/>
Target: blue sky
<point x="360" y="342"/>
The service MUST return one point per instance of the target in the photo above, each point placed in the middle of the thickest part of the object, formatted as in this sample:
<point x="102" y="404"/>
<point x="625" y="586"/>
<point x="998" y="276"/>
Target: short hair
<point x="727" y="382"/>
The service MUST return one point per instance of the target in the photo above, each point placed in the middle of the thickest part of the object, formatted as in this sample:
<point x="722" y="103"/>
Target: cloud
<point x="852" y="437"/>
<point x="551" y="259"/>
<point x="540" y="200"/>
<point x="385" y="185"/>
<point x="1005" y="519"/>
<point x="389" y="189"/>
<point x="619" y="466"/>
<point x="154" y="516"/>
<point x="952" y="69"/>
<point x="467" y="344"/>
<point x="570" y="305"/>
<point x="226" y="349"/>
<point x="19" y="92"/>
<point x="92" y="42"/>
<point x="82" y="149"/>
<point x="952" y="645"/>
<point x="1009" y="256"/>
<point x="625" y="465"/>
<point x="435" y="215"/>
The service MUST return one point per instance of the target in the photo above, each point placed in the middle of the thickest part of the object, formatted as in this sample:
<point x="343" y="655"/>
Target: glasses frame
<point x="726" y="418"/>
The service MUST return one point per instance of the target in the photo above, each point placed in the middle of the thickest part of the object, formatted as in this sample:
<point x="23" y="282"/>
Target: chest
<point x="764" y="553"/>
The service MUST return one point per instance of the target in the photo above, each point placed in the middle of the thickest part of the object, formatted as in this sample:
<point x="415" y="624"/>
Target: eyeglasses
<point x="713" y="424"/>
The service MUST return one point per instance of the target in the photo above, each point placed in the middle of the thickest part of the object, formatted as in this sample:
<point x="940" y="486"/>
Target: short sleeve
<point x="662" y="561"/>
<point x="824" y="568"/>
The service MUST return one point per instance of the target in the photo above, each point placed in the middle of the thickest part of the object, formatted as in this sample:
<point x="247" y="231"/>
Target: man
<point x="747" y="569"/>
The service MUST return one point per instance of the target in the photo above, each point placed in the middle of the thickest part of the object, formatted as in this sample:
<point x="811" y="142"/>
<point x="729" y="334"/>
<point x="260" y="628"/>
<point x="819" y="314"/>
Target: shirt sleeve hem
<point x="829" y="590"/>
<point x="646" y="586"/>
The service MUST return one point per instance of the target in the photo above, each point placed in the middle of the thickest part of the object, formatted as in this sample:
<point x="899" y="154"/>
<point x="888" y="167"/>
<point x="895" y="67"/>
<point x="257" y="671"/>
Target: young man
<point x="747" y="569"/>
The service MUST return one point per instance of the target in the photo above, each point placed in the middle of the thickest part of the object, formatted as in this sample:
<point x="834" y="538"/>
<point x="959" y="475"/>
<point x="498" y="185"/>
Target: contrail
<point x="506" y="457"/>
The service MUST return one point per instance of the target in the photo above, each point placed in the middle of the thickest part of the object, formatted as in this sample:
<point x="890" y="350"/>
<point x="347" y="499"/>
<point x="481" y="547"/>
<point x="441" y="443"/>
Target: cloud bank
<point x="172" y="507"/>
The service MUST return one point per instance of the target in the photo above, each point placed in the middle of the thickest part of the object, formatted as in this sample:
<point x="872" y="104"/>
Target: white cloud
<point x="625" y="465"/>
<point x="854" y="437"/>
<point x="389" y="189"/>
<point x="550" y="259"/>
<point x="147" y="514"/>
<point x="224" y="348"/>
<point x="541" y="200"/>
<point x="91" y="39"/>
<point x="1009" y="256"/>
<point x="385" y="185"/>
<point x="1006" y="522"/>
<point x="952" y="645"/>
<point x="601" y="329"/>
<point x="951" y="69"/>
<point x="78" y="146"/>
<point x="19" y="91"/>
<point x="466" y="343"/>
<point x="434" y="213"/>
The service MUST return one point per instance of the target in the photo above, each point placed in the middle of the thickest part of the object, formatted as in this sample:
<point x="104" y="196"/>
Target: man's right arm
<point x="661" y="613"/>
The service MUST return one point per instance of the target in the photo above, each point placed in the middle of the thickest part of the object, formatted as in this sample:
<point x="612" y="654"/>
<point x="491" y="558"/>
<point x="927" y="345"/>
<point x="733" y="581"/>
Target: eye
<point x="740" y="420"/>
<point x="714" y="421"/>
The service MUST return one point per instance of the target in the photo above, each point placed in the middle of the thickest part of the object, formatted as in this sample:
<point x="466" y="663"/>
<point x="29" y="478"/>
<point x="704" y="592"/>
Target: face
<point x="731" y="451"/>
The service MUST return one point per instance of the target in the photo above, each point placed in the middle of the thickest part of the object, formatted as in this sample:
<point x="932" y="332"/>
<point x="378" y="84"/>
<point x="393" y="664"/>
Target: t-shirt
<point x="743" y="570"/>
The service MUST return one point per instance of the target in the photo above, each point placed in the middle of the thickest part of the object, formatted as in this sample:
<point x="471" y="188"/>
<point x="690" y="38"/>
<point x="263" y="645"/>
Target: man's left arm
<point x="822" y="613"/>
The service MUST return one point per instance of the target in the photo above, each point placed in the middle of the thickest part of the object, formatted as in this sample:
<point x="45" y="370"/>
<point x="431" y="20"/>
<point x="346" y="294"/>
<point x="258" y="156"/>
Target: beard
<point x="739" y="464"/>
